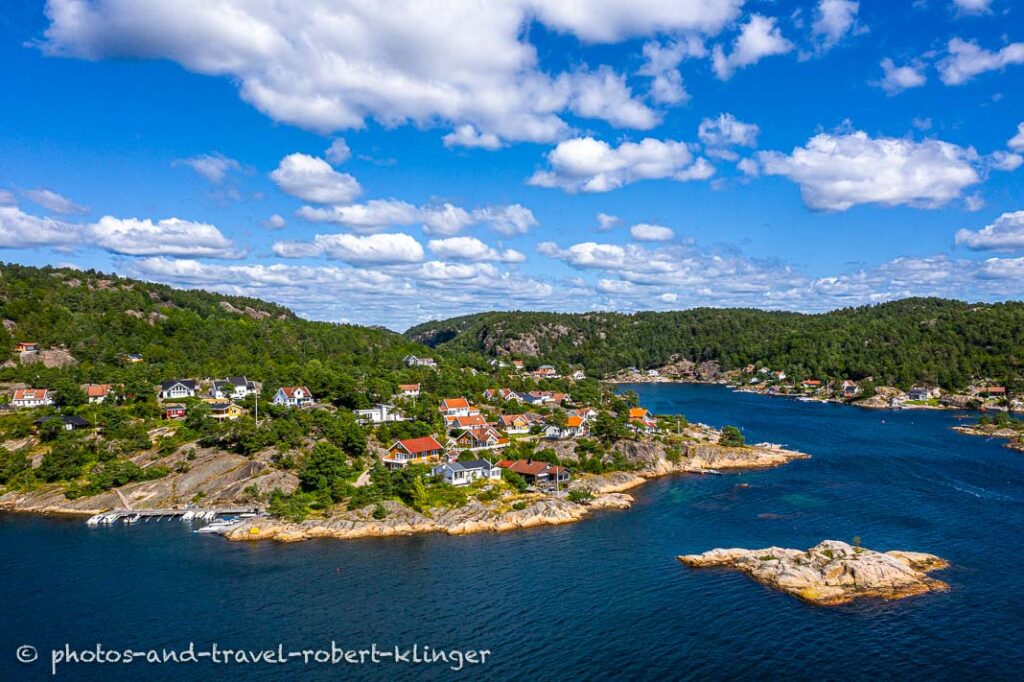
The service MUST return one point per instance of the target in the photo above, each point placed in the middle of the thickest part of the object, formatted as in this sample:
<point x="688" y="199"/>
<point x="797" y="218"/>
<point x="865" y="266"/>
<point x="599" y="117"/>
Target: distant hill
<point x="929" y="340"/>
<point x="98" y="318"/>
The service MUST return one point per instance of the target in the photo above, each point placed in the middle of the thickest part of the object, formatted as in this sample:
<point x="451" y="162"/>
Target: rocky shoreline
<point x="1014" y="438"/>
<point x="832" y="572"/>
<point x="222" y="477"/>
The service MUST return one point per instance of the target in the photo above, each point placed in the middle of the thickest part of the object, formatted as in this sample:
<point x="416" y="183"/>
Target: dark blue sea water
<point x="602" y="599"/>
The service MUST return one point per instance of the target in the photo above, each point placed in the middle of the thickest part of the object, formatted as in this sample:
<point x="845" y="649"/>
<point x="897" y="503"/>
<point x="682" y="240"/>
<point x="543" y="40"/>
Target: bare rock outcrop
<point x="49" y="358"/>
<point x="831" y="572"/>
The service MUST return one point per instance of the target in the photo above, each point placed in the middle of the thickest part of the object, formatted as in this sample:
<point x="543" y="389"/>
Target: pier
<point x="130" y="516"/>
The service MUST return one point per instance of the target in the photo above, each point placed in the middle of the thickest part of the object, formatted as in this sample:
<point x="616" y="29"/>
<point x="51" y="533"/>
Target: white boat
<point x="95" y="520"/>
<point x="129" y="520"/>
<point x="188" y="516"/>
<point x="218" y="526"/>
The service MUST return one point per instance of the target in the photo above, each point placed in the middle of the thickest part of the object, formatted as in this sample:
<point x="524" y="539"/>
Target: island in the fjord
<point x="831" y="572"/>
<point x="122" y="397"/>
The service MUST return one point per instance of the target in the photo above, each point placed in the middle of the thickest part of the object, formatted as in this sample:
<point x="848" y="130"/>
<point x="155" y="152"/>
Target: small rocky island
<point x="832" y="572"/>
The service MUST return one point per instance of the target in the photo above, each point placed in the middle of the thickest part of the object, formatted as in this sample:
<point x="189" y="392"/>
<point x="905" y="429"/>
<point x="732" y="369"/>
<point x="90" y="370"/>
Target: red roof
<point x="289" y="391"/>
<point x="454" y="403"/>
<point x="97" y="390"/>
<point x="470" y="421"/>
<point x="29" y="393"/>
<point x="415" y="446"/>
<point x="523" y="466"/>
<point x="408" y="387"/>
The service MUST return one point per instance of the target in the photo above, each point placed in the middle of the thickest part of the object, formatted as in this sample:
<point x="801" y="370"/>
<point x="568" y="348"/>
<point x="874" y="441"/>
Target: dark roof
<point x="476" y="464"/>
<point x="72" y="419"/>
<point x="188" y="383"/>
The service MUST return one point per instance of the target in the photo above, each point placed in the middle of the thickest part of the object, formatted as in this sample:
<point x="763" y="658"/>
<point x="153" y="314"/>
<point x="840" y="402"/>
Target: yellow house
<point x="220" y="409"/>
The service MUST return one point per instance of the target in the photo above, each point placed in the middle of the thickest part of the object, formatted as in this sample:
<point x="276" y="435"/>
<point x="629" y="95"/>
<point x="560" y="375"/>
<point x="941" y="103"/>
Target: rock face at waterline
<point x="474" y="517"/>
<point x="831" y="572"/>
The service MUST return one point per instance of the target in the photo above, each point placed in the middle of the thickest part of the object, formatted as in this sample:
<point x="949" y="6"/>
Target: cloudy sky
<point x="394" y="161"/>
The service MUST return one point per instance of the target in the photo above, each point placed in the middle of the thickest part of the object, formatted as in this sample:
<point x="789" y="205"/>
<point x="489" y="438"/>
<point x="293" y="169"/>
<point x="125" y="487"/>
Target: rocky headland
<point x="831" y="572"/>
<point x="1014" y="437"/>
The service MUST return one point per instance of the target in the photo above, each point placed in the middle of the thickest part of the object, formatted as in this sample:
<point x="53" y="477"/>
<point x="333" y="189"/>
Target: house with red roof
<point x="423" y="450"/>
<point x="514" y="424"/>
<point x="293" y="396"/>
<point x="31" y="397"/>
<point x="480" y="438"/>
<point x="535" y="472"/>
<point x="409" y="390"/>
<point x="640" y="420"/>
<point x="457" y="407"/>
<point x="97" y="393"/>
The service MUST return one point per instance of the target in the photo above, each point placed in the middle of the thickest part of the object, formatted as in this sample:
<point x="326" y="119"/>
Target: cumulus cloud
<point x="607" y="222"/>
<point x="6" y="198"/>
<point x="662" y="67"/>
<point x="1005" y="234"/>
<point x="214" y="167"/>
<point x="838" y="171"/>
<point x="896" y="79"/>
<point x="588" y="165"/>
<point x="313" y="179"/>
<point x="1016" y="143"/>
<point x="168" y="237"/>
<point x="338" y="153"/>
<point x="19" y="230"/>
<point x="966" y="59"/>
<point x="466" y="135"/>
<point x="758" y="38"/>
<point x="437" y="219"/>
<point x="328" y="66"/>
<point x="508" y="220"/>
<point x="644" y="232"/>
<point x="725" y="131"/>
<point x="53" y="201"/>
<point x="274" y="222"/>
<point x="472" y="249"/>
<point x="833" y="19"/>
<point x="373" y="248"/>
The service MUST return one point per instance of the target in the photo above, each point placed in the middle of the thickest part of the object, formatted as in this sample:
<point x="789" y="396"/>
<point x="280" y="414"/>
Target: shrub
<point x="731" y="437"/>
<point x="580" y="495"/>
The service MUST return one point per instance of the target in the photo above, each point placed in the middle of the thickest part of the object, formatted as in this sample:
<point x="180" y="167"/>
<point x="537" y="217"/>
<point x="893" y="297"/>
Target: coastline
<point x="541" y="509"/>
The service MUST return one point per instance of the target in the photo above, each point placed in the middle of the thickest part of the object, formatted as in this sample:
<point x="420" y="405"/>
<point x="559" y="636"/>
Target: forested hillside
<point x="99" y="318"/>
<point x="942" y="342"/>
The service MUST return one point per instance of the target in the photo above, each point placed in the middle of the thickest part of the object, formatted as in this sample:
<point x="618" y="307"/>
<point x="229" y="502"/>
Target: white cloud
<point x="1016" y="143"/>
<point x="749" y="167"/>
<point x="274" y="222"/>
<point x="838" y="171"/>
<point x="758" y="38"/>
<point x="833" y="19"/>
<point x="338" y="153"/>
<point x="604" y="21"/>
<point x="644" y="232"/>
<point x="965" y="60"/>
<point x="606" y="222"/>
<point x="896" y="79"/>
<point x="19" y="230"/>
<point x="373" y="216"/>
<point x="374" y="248"/>
<point x="6" y="198"/>
<point x="53" y="201"/>
<point x="726" y="131"/>
<point x="1005" y="161"/>
<point x="1005" y="234"/>
<point x="328" y="66"/>
<point x="168" y="237"/>
<point x="445" y="219"/>
<point x="974" y="202"/>
<point x="973" y="6"/>
<point x="214" y="167"/>
<point x="313" y="179"/>
<point x="662" y="67"/>
<point x="472" y="249"/>
<point x="589" y="165"/>
<point x="466" y="135"/>
<point x="508" y="220"/>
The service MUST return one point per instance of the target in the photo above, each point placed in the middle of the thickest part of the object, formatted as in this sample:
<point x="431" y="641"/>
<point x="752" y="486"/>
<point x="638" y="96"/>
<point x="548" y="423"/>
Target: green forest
<point x="920" y="340"/>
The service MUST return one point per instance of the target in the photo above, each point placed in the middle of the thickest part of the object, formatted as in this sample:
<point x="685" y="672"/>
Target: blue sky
<point x="795" y="155"/>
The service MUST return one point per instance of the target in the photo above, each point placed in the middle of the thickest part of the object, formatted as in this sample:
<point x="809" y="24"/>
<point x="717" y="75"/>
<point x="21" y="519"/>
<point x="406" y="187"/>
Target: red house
<point x="174" y="411"/>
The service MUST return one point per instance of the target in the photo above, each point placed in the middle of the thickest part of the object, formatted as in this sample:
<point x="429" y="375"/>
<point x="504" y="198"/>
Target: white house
<point x="579" y="375"/>
<point x="409" y="390"/>
<point x="464" y="473"/>
<point x="176" y="389"/>
<point x="293" y="396"/>
<point x="31" y="397"/>
<point x="379" y="414"/>
<point x="233" y="388"/>
<point x="457" y="407"/>
<point x="413" y="361"/>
